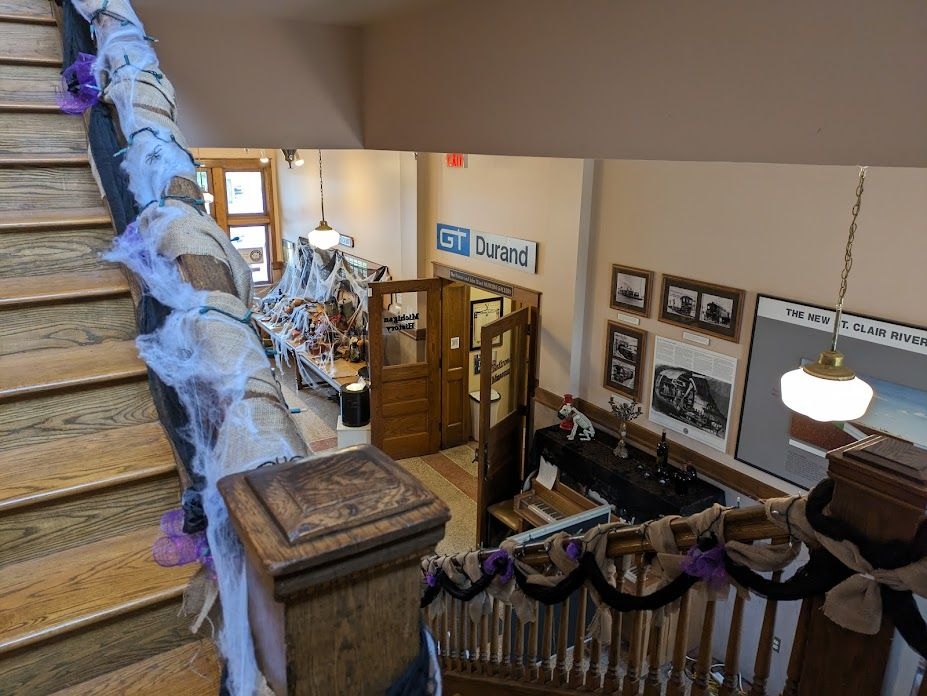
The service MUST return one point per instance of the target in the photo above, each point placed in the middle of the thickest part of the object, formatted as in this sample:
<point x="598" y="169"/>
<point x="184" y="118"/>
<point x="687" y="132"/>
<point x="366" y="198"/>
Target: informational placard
<point x="692" y="390"/>
<point x="891" y="357"/>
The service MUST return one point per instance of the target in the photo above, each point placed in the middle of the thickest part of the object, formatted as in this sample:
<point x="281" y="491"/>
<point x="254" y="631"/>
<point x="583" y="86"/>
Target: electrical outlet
<point x="777" y="644"/>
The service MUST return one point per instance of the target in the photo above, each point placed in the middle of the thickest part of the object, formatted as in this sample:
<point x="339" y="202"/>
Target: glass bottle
<point x="662" y="456"/>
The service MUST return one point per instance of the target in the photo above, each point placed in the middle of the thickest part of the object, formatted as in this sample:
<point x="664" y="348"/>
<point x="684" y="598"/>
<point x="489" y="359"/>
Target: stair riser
<point x="28" y="85"/>
<point x="55" y="416"/>
<point x="50" y="666"/>
<point x="37" y="9"/>
<point x="41" y="134"/>
<point x="47" y="253"/>
<point x="29" y="42"/>
<point x="66" y="324"/>
<point x="43" y="188"/>
<point x="33" y="532"/>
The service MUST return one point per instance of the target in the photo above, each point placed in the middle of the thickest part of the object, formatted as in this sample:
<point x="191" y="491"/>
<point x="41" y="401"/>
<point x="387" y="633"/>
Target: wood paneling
<point x="402" y="408"/>
<point x="65" y="251"/>
<point x="454" y="364"/>
<point x="33" y="44"/>
<point x="41" y="134"/>
<point x="404" y="390"/>
<point x="44" y="188"/>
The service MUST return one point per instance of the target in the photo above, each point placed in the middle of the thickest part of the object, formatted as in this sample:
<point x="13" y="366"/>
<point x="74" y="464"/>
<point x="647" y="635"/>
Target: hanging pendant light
<point x="323" y="236"/>
<point x="292" y="158"/>
<point x="827" y="390"/>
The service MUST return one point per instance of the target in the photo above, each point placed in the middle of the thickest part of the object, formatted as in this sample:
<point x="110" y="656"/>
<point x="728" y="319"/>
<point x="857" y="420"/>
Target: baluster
<point x="652" y="686"/>
<point x="594" y="672"/>
<point x="483" y="667"/>
<point x="579" y="638"/>
<point x="506" y="666"/>
<point x="532" y="671"/>
<point x="631" y="684"/>
<point x="797" y="658"/>
<point x="560" y="671"/>
<point x="456" y="641"/>
<point x="677" y="683"/>
<point x="497" y="608"/>
<point x="445" y="631"/>
<point x="703" y="666"/>
<point x="473" y="645"/>
<point x="518" y="667"/>
<point x="732" y="657"/>
<point x="546" y="645"/>
<point x="612" y="678"/>
<point x="764" y="647"/>
<point x="464" y="647"/>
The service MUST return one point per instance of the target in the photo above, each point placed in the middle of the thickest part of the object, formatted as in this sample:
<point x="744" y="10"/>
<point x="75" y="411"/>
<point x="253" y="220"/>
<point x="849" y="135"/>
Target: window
<point x="243" y="205"/>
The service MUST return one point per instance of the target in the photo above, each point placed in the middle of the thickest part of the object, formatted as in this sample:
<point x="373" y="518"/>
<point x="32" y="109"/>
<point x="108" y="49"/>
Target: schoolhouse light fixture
<point x="323" y="236"/>
<point x="827" y="390"/>
<point x="292" y="157"/>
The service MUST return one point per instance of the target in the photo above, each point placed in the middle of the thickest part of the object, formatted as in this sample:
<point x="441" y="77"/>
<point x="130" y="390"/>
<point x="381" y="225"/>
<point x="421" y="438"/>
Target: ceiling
<point x="343" y="12"/>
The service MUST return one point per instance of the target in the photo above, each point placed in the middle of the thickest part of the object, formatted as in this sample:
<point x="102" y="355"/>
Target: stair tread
<point x="64" y="159"/>
<point x="192" y="670"/>
<point x="61" y="368"/>
<point x="15" y="220"/>
<point x="62" y="286"/>
<point x="27" y="9"/>
<point x="63" y="592"/>
<point x="79" y="464"/>
<point x="29" y="44"/>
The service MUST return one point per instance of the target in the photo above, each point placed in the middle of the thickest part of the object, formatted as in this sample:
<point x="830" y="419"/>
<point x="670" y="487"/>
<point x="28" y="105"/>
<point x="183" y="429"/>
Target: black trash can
<point x="355" y="404"/>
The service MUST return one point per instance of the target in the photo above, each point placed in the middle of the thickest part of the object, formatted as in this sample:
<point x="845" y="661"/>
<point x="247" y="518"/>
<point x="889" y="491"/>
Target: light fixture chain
<point x="322" y="190"/>
<point x="848" y="255"/>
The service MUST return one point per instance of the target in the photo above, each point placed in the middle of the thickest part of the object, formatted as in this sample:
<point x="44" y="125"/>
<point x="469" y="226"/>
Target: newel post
<point x="333" y="545"/>
<point x="881" y="490"/>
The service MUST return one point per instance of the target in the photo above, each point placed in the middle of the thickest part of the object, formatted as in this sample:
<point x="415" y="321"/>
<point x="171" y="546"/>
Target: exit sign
<point x="455" y="160"/>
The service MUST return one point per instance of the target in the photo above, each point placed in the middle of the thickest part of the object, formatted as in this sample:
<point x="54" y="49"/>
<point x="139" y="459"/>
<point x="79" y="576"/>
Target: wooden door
<point x="502" y="442"/>
<point x="405" y="390"/>
<point x="454" y="364"/>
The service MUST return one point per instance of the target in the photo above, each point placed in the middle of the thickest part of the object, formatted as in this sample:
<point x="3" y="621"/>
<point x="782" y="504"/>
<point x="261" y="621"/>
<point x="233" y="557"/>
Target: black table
<point x="593" y="465"/>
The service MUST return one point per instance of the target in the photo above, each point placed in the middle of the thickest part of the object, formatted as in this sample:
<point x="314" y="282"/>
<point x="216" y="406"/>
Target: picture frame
<point x="483" y="312"/>
<point x="624" y="357"/>
<point x="712" y="309"/>
<point x="631" y="289"/>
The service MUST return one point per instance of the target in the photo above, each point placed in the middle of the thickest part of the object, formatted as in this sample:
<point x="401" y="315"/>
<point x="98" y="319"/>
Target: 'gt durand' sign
<point x="507" y="251"/>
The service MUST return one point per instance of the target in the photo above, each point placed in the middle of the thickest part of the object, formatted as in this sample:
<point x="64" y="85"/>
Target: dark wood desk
<point x="593" y="465"/>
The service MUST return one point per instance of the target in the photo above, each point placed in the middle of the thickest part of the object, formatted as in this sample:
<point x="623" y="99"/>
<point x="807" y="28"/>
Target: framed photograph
<point x="483" y="312"/>
<point x="707" y="308"/>
<point x="624" y="354"/>
<point x="631" y="290"/>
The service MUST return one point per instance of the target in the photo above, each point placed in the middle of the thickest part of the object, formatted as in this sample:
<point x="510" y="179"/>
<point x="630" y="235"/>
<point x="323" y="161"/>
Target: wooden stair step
<point x="40" y="220"/>
<point x="38" y="371"/>
<point x="29" y="88"/>
<point x="29" y="44"/>
<point x="67" y="591"/>
<point x="27" y="11"/>
<point x="30" y="290"/>
<point x="55" y="416"/>
<point x="190" y="670"/>
<point x="25" y="137"/>
<point x="38" y="188"/>
<point x="74" y="465"/>
<point x="58" y="251"/>
<point x="60" y="160"/>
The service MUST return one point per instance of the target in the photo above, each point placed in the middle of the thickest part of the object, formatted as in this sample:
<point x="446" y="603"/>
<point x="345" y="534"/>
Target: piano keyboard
<point x="543" y="510"/>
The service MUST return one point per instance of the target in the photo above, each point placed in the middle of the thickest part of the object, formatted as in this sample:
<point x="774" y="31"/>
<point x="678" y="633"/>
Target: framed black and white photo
<point x="483" y="312"/>
<point x="631" y="290"/>
<point x="624" y="353"/>
<point x="704" y="307"/>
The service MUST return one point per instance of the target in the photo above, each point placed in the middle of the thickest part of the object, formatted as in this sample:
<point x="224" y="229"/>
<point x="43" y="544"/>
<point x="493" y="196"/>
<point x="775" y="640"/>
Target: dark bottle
<point x="662" y="453"/>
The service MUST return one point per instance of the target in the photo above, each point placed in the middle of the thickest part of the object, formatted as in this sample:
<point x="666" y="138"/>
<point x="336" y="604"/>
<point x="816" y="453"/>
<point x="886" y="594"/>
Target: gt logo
<point x="454" y="239"/>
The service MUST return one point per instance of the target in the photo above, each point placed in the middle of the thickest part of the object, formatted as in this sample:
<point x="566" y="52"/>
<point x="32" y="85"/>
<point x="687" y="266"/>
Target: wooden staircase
<point x="85" y="468"/>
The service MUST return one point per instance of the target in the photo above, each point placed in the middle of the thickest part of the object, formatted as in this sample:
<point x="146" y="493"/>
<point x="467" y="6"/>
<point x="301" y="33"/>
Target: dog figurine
<point x="581" y="423"/>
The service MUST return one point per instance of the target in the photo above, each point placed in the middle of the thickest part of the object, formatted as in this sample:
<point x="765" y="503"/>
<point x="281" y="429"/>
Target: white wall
<point x="529" y="198"/>
<point x="362" y="199"/>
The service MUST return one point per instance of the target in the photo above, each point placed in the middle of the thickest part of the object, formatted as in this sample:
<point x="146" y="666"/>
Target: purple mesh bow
<point x="431" y="579"/>
<point x="574" y="549"/>
<point x="176" y="548"/>
<point x="501" y="562"/>
<point x="707" y="565"/>
<point x="79" y="86"/>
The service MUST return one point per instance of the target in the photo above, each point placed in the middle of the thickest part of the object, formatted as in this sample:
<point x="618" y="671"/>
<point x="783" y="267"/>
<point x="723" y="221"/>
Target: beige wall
<point x="828" y="82"/>
<point x="362" y="199"/>
<point x="537" y="199"/>
<point x="774" y="229"/>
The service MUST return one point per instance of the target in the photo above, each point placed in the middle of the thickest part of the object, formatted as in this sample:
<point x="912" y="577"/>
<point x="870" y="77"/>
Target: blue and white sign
<point x="506" y="251"/>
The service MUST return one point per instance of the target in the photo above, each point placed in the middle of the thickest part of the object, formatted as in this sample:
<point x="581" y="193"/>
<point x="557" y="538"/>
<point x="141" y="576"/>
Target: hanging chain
<point x="848" y="256"/>
<point x="322" y="199"/>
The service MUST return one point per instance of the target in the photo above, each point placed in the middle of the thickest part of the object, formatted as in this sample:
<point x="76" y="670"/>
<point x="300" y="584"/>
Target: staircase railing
<point x="550" y="617"/>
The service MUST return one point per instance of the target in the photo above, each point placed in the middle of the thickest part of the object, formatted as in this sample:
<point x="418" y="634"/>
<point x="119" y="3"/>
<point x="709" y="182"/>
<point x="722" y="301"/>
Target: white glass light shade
<point x="825" y="399"/>
<point x="323" y="236"/>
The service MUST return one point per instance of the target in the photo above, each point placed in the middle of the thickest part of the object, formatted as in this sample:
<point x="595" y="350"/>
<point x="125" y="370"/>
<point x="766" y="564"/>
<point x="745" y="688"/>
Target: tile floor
<point x="450" y="474"/>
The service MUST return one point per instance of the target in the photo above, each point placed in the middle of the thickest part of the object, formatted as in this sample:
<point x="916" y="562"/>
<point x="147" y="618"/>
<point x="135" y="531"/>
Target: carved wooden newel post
<point x="333" y="546"/>
<point x="881" y="490"/>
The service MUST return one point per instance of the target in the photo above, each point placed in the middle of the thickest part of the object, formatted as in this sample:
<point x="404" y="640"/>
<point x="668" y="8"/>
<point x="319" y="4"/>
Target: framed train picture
<point x="707" y="308"/>
<point x="631" y="290"/>
<point x="624" y="353"/>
